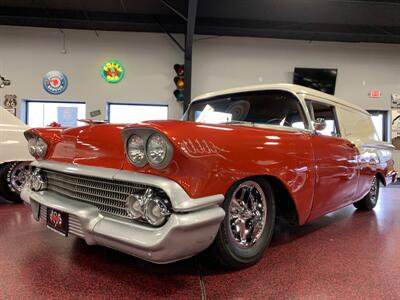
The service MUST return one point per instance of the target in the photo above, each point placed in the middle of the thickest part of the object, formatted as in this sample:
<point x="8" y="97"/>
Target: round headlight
<point x="135" y="149"/>
<point x="32" y="146"/>
<point x="38" y="181"/>
<point x="134" y="207"/>
<point x="41" y="147"/>
<point x="156" y="212"/>
<point x="157" y="150"/>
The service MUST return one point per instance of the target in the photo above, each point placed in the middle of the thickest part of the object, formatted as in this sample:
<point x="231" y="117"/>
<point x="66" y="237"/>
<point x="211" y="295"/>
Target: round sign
<point x="112" y="71"/>
<point x="55" y="82"/>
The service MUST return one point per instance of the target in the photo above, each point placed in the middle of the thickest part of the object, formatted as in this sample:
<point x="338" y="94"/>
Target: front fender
<point x="208" y="159"/>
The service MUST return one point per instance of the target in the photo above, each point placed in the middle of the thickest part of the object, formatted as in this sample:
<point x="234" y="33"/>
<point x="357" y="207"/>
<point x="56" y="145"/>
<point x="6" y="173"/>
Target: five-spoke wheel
<point x="12" y="179"/>
<point x="371" y="199"/>
<point x="247" y="213"/>
<point x="248" y="225"/>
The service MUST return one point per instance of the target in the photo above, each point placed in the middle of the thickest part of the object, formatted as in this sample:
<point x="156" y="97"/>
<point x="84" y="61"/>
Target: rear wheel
<point x="371" y="199"/>
<point x="12" y="179"/>
<point x="248" y="224"/>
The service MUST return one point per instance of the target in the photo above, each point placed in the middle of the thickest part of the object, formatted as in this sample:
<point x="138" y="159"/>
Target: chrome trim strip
<point x="379" y="146"/>
<point x="180" y="200"/>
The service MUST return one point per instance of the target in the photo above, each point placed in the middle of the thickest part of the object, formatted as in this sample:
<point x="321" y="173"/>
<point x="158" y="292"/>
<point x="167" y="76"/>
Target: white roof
<point x="298" y="89"/>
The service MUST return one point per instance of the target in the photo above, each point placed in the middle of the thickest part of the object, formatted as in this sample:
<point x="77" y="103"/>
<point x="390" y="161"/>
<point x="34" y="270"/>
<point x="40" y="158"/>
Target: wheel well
<point x="381" y="178"/>
<point x="285" y="207"/>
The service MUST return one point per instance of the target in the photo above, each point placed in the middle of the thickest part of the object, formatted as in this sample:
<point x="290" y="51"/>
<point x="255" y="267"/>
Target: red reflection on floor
<point x="344" y="255"/>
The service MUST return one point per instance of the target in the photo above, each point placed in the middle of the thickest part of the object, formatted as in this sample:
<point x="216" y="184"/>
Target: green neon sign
<point x="112" y="71"/>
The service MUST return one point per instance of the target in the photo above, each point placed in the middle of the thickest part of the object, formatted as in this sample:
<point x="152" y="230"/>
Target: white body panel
<point x="13" y="145"/>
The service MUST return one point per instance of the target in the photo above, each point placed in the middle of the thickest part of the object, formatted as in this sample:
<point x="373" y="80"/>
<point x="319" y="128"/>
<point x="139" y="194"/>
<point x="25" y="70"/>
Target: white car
<point x="14" y="156"/>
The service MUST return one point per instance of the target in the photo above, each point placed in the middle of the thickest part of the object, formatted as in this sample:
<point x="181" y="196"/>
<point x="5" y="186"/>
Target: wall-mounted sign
<point x="375" y="94"/>
<point x="112" y="71"/>
<point x="55" y="82"/>
<point x="95" y="113"/>
<point x="10" y="101"/>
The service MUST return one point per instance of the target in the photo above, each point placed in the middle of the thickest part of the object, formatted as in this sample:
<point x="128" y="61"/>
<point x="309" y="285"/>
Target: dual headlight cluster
<point x="155" y="150"/>
<point x="37" y="146"/>
<point x="148" y="206"/>
<point x="38" y="180"/>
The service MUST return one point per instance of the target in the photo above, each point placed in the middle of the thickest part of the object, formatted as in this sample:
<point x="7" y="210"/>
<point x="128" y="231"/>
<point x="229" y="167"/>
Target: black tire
<point x="371" y="199"/>
<point x="226" y="249"/>
<point x="7" y="189"/>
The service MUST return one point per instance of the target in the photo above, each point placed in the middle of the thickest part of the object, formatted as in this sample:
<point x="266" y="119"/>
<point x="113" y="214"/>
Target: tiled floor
<point x="344" y="255"/>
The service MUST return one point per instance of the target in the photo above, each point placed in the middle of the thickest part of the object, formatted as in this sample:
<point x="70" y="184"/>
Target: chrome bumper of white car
<point x="190" y="229"/>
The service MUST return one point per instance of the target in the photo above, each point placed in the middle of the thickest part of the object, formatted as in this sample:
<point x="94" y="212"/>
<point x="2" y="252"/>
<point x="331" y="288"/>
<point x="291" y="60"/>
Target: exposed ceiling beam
<point x="78" y="19"/>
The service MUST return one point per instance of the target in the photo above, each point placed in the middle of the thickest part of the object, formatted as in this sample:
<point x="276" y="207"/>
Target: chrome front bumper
<point x="190" y="229"/>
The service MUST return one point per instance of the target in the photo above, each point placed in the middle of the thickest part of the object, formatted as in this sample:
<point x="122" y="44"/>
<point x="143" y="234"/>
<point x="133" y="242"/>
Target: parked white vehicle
<point x="14" y="156"/>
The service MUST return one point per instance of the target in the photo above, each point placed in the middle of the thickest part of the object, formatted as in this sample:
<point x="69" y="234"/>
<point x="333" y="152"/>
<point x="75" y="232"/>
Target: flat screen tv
<point x="323" y="80"/>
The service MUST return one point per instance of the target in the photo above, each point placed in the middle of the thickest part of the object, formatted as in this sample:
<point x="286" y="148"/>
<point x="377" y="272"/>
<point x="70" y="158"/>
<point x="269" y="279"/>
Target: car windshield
<point x="273" y="107"/>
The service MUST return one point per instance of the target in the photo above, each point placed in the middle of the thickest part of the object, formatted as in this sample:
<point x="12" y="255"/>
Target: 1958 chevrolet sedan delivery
<point x="167" y="190"/>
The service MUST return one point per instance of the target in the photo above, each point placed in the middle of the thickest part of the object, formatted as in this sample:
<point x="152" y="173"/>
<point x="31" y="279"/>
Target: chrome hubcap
<point x="19" y="176"/>
<point x="247" y="213"/>
<point x="373" y="192"/>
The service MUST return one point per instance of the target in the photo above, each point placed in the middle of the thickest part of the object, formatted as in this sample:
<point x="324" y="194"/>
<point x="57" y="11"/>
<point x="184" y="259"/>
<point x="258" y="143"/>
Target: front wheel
<point x="248" y="224"/>
<point x="13" y="176"/>
<point x="371" y="199"/>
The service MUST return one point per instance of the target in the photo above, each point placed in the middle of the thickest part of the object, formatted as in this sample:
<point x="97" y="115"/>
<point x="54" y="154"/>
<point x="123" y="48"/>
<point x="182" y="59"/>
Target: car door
<point x="336" y="165"/>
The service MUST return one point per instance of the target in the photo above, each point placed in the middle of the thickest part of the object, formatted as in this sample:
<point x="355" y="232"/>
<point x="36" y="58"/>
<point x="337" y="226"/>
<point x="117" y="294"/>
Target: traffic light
<point x="179" y="82"/>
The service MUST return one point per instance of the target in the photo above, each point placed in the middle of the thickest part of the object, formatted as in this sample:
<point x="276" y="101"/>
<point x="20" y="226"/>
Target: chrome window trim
<point x="324" y="101"/>
<point x="309" y="129"/>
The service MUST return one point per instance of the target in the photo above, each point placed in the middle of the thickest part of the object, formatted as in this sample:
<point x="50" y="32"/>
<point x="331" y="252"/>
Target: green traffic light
<point x="179" y="95"/>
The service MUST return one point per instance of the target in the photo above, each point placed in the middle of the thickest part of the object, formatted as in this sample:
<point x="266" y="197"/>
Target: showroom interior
<point x="79" y="80"/>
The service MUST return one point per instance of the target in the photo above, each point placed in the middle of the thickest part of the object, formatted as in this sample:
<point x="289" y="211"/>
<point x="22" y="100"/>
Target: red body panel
<point x="336" y="174"/>
<point x="98" y="145"/>
<point x="208" y="159"/>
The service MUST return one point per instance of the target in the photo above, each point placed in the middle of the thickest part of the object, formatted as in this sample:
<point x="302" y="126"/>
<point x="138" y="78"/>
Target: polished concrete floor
<point x="344" y="255"/>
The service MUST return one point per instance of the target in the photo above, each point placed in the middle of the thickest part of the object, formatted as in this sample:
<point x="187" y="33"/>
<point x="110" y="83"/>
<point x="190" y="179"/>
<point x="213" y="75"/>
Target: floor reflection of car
<point x="167" y="190"/>
<point x="14" y="156"/>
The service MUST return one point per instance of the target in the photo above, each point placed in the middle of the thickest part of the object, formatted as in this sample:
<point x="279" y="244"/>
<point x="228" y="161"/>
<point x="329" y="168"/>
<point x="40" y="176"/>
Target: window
<point x="274" y="107"/>
<point x="136" y="113"/>
<point x="380" y="119"/>
<point x="43" y="113"/>
<point x="326" y="112"/>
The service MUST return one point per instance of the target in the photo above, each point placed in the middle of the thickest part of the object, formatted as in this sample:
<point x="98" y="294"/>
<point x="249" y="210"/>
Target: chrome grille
<point x="74" y="225"/>
<point x="109" y="196"/>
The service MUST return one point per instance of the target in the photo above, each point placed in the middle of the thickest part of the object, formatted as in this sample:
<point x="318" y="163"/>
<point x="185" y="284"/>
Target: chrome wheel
<point x="373" y="192"/>
<point x="247" y="213"/>
<point x="18" y="176"/>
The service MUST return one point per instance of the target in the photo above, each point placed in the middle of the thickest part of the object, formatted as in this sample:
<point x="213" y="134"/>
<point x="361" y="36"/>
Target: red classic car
<point x="167" y="190"/>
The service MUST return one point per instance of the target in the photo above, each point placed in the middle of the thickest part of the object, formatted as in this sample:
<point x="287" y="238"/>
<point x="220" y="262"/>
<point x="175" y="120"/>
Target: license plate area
<point x="57" y="221"/>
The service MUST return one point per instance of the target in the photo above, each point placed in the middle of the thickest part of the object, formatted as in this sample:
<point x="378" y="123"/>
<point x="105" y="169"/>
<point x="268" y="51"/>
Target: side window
<point x="324" y="111"/>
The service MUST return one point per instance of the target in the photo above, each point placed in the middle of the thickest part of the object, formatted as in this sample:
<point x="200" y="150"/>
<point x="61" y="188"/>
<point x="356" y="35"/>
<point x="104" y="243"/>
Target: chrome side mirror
<point x="319" y="124"/>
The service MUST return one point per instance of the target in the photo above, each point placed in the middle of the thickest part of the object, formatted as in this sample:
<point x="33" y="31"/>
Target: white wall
<point x="224" y="62"/>
<point x="26" y="54"/>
